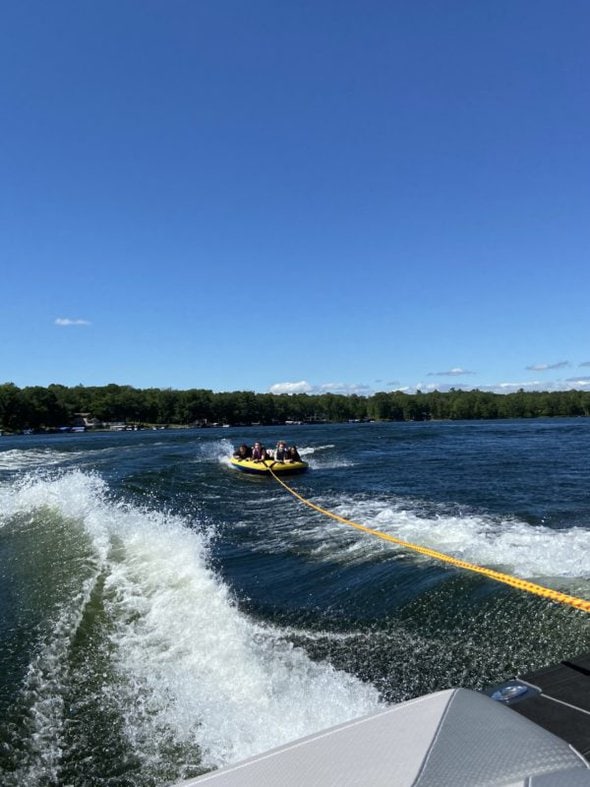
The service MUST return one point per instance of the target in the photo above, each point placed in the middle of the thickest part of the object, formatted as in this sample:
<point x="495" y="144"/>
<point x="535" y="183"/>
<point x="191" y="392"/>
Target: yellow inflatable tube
<point x="263" y="467"/>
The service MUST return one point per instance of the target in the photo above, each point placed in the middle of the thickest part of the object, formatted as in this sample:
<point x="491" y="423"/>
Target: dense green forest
<point x="58" y="406"/>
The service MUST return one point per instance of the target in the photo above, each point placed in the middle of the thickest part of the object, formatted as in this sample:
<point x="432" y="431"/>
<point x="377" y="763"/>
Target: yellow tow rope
<point x="507" y="579"/>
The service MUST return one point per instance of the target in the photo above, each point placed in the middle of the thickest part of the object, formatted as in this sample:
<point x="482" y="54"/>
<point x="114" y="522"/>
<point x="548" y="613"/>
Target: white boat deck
<point x="453" y="738"/>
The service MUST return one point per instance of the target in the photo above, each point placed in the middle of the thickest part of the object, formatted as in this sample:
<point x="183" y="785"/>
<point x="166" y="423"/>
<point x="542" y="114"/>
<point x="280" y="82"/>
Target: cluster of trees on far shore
<point x="59" y="406"/>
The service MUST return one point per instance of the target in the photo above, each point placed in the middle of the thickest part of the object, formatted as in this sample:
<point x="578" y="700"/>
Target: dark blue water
<point x="162" y="614"/>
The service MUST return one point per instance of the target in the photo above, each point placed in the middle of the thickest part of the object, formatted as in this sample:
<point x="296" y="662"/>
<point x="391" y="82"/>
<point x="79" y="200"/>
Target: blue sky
<point x="307" y="195"/>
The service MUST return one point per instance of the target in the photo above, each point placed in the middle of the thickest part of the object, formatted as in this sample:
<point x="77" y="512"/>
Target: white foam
<point x="212" y="676"/>
<point x="332" y="464"/>
<point x="527" y="550"/>
<point x="318" y="448"/>
<point x="216" y="450"/>
<point x="190" y="663"/>
<point x="191" y="666"/>
<point x="317" y="460"/>
<point x="17" y="459"/>
<point x="44" y="686"/>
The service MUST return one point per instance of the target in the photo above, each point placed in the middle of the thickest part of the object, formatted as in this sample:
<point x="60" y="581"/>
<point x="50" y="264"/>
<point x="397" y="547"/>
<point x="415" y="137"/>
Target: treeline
<point x="57" y="406"/>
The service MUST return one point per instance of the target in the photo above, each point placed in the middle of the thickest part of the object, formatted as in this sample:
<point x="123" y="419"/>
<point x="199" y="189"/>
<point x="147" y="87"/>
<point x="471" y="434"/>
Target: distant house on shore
<point x="86" y="420"/>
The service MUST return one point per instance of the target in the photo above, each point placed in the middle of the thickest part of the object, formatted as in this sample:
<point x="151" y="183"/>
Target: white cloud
<point x="440" y="387"/>
<point x="454" y="372"/>
<point x="571" y="383"/>
<point x="499" y="388"/>
<point x="303" y="386"/>
<point x="291" y="388"/>
<point x="543" y="367"/>
<point x="509" y="387"/>
<point x="68" y="321"/>
<point x="345" y="388"/>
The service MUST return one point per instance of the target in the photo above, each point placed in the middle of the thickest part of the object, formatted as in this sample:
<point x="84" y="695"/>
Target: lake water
<point x="162" y="614"/>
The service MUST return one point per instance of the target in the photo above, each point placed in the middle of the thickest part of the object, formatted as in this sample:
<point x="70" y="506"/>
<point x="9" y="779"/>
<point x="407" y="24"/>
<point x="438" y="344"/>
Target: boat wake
<point x="139" y="646"/>
<point x="530" y="551"/>
<point x="16" y="459"/>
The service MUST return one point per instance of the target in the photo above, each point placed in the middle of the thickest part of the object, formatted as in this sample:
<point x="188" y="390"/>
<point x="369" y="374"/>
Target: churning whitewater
<point x="162" y="615"/>
<point x="183" y="666"/>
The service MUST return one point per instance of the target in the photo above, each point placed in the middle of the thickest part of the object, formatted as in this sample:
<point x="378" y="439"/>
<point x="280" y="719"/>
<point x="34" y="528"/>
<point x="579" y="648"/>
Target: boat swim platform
<point x="449" y="738"/>
<point x="557" y="698"/>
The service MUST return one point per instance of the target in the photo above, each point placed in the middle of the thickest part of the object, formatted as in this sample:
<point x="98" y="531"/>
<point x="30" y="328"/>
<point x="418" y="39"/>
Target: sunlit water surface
<point x="162" y="614"/>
